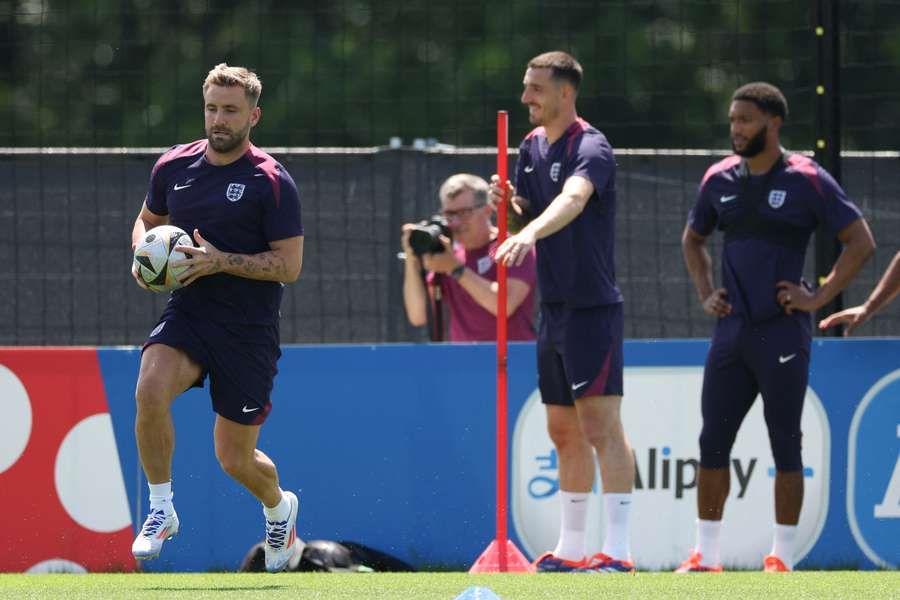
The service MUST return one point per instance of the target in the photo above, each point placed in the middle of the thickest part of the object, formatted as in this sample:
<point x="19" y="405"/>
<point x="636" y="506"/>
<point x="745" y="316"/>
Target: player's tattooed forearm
<point x="273" y="263"/>
<point x="266" y="265"/>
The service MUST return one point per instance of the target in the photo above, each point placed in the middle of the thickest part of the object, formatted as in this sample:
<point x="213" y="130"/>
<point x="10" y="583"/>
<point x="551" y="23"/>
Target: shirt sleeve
<point x="519" y="180"/>
<point x="838" y="211"/>
<point x="703" y="217"/>
<point x="282" y="218"/>
<point x="593" y="160"/>
<point x="156" y="190"/>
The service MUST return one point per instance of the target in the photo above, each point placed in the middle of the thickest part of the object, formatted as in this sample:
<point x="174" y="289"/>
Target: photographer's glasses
<point x="460" y="213"/>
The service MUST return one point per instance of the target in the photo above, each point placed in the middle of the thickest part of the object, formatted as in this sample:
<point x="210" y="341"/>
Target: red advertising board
<point x="62" y="498"/>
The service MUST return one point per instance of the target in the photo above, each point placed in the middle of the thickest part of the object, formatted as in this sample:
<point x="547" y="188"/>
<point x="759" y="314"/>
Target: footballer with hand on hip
<point x="767" y="202"/>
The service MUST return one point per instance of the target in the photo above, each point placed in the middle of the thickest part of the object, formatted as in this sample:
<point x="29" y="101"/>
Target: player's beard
<point x="754" y="145"/>
<point x="234" y="139"/>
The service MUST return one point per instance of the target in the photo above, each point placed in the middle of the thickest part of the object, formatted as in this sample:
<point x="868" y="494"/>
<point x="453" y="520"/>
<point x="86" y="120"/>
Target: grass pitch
<point x="446" y="586"/>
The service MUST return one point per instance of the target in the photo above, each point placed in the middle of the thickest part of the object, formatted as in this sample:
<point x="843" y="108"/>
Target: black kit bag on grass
<point x="328" y="556"/>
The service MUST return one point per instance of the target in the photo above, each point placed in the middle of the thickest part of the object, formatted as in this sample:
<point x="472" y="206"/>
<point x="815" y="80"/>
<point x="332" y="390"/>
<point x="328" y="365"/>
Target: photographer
<point x="462" y="272"/>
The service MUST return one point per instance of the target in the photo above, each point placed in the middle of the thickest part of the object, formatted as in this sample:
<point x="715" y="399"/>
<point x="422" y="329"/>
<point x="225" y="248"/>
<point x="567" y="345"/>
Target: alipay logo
<point x="657" y="469"/>
<point x="873" y="472"/>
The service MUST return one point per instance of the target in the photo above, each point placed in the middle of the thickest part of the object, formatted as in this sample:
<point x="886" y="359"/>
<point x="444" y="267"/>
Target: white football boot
<point x="158" y="528"/>
<point x="280" y="536"/>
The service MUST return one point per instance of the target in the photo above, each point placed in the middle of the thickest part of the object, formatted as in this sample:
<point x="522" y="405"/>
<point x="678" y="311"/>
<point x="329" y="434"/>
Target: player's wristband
<point x="458" y="272"/>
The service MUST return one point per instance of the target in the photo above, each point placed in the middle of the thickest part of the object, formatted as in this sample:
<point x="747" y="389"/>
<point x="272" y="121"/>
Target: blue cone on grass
<point x="477" y="593"/>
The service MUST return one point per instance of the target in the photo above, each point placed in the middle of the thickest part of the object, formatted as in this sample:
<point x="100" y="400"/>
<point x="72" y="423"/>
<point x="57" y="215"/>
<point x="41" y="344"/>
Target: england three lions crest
<point x="554" y="171"/>
<point x="235" y="192"/>
<point x="776" y="198"/>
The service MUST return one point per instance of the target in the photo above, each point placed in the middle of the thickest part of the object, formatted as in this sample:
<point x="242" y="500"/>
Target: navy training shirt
<point x="767" y="221"/>
<point x="575" y="265"/>
<point x="239" y="207"/>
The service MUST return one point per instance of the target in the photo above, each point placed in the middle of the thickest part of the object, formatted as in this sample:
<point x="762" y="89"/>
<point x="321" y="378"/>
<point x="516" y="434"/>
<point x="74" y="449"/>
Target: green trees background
<point x="357" y="72"/>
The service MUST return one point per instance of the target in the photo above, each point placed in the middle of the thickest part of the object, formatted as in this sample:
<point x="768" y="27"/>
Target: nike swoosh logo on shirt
<point x="529" y="168"/>
<point x="784" y="359"/>
<point x="725" y="199"/>
<point x="181" y="187"/>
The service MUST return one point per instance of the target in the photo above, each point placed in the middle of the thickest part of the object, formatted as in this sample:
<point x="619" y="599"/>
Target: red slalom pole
<point x="502" y="467"/>
<point x="502" y="555"/>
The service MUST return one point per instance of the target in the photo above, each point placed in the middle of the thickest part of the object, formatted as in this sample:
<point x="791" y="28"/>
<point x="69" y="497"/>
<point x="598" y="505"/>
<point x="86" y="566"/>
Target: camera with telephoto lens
<point x="425" y="236"/>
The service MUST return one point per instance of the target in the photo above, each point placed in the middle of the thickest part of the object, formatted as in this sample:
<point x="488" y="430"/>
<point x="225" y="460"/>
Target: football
<point x="155" y="252"/>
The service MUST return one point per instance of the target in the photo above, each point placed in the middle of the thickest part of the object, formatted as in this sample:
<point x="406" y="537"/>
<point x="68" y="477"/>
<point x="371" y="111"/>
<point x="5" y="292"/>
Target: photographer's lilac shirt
<point x="767" y="221"/>
<point x="469" y="321"/>
<point x="575" y="265"/>
<point x="239" y="207"/>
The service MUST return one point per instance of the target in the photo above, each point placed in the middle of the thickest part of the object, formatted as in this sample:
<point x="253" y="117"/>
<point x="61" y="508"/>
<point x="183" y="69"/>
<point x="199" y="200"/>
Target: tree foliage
<point x="356" y="72"/>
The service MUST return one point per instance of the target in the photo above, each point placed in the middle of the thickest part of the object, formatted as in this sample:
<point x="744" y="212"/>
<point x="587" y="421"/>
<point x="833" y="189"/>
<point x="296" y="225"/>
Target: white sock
<point x="161" y="496"/>
<point x="783" y="544"/>
<point x="618" y="509"/>
<point x="708" y="542"/>
<point x="572" y="525"/>
<point x="280" y="511"/>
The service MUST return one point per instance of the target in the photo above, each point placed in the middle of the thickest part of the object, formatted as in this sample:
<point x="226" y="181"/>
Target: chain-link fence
<point x="66" y="219"/>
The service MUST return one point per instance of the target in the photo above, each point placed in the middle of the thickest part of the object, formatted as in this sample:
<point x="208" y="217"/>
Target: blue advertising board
<point x="393" y="446"/>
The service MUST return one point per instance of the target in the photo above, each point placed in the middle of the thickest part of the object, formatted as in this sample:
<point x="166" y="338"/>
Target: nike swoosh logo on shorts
<point x="784" y="359"/>
<point x="246" y="410"/>
<point x="725" y="199"/>
<point x="529" y="168"/>
<point x="181" y="187"/>
<point x="576" y="386"/>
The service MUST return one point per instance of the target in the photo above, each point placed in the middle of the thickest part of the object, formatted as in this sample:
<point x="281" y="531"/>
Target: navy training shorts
<point x="579" y="352"/>
<point x="240" y="360"/>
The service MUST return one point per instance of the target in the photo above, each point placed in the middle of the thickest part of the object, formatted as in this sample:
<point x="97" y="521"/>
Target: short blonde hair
<point x="226" y="76"/>
<point x="456" y="184"/>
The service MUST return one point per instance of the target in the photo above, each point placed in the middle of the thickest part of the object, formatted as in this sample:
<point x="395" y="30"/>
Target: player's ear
<point x="255" y="114"/>
<point x="776" y="121"/>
